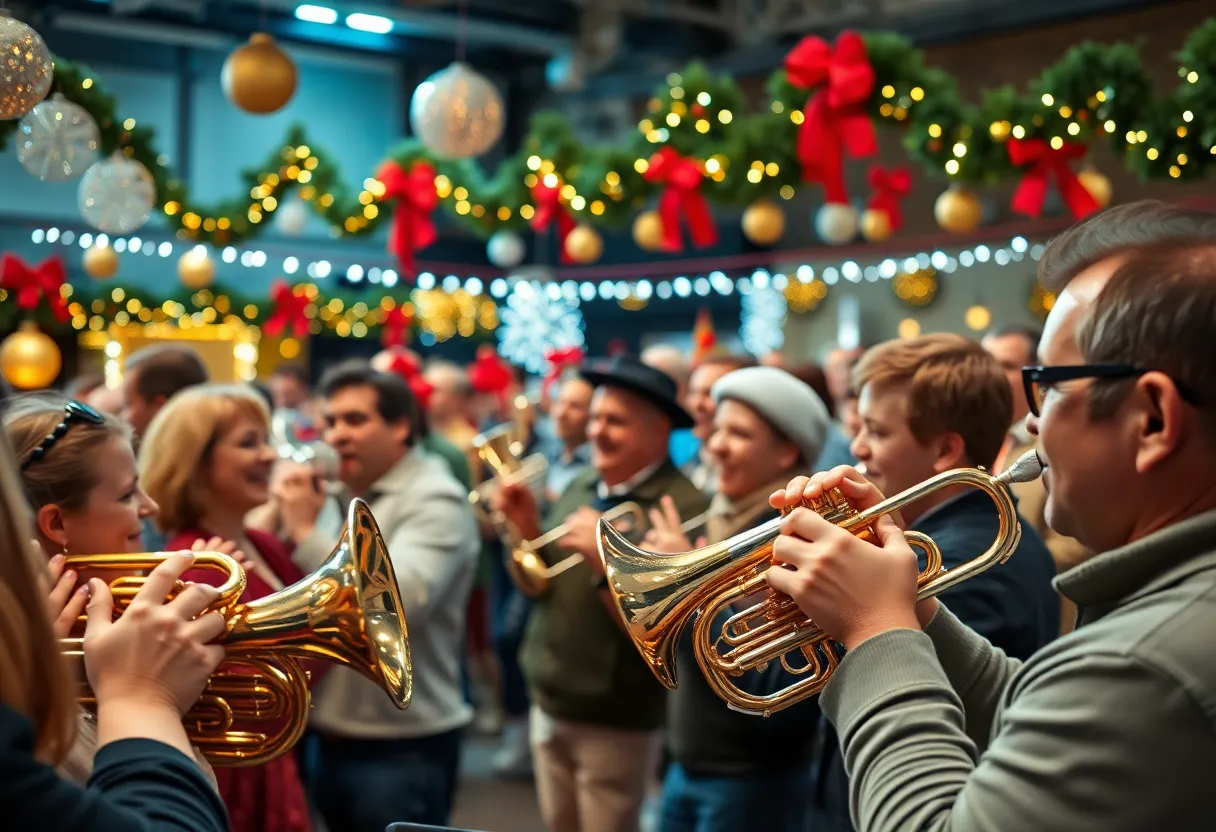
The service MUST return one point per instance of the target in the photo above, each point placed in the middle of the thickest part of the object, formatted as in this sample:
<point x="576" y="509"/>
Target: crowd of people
<point x="1066" y="688"/>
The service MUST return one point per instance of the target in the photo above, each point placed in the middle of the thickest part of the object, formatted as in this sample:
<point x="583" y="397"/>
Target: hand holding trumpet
<point x="853" y="588"/>
<point x="666" y="533"/>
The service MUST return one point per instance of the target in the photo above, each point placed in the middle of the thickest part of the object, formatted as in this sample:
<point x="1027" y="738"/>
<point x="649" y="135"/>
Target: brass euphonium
<point x="255" y="707"/>
<point x="502" y="452"/>
<point x="657" y="594"/>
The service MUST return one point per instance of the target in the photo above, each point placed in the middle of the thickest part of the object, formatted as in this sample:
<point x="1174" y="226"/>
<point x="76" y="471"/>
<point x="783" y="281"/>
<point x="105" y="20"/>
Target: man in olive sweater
<point x="597" y="708"/>
<point x="1112" y="726"/>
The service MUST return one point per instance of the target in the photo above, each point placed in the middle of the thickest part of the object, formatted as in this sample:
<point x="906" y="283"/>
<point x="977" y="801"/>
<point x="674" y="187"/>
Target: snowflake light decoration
<point x="762" y="322"/>
<point x="538" y="318"/>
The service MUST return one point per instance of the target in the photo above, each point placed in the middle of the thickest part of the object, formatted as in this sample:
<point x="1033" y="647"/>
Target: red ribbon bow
<point x="408" y="366"/>
<point x="415" y="198"/>
<point x="559" y="361"/>
<point x="681" y="178"/>
<point x="841" y="80"/>
<point x="890" y="186"/>
<point x="288" y="310"/>
<point x="549" y="208"/>
<point x="395" y="327"/>
<point x="489" y="374"/>
<point x="32" y="284"/>
<point x="1041" y="160"/>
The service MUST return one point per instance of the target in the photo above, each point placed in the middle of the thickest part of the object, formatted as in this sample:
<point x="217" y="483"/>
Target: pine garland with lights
<point x="1093" y="92"/>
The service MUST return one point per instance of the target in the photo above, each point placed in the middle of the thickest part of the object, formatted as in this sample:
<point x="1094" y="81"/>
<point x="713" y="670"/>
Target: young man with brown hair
<point x="1111" y="726"/>
<point x="928" y="405"/>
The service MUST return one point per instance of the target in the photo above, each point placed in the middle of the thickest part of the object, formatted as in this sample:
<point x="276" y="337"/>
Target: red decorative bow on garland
<point x="413" y="193"/>
<point x="835" y="120"/>
<point x="681" y="179"/>
<point x="395" y="327"/>
<point x="288" y="311"/>
<point x="549" y="208"/>
<point x="560" y="361"/>
<point x="408" y="366"/>
<point x="32" y="284"/>
<point x="489" y="374"/>
<point x="890" y="186"/>
<point x="1041" y="160"/>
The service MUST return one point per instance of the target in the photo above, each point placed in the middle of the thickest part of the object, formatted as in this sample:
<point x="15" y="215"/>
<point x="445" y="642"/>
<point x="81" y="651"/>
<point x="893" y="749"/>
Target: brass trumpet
<point x="531" y="574"/>
<point x="501" y="449"/>
<point x="348" y="612"/>
<point x="657" y="594"/>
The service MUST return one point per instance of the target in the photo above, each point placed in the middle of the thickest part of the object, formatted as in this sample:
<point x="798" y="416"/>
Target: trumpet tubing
<point x="348" y="612"/>
<point x="658" y="595"/>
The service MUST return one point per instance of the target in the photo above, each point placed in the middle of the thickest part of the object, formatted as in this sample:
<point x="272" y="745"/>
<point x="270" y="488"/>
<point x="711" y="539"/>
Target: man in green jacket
<point x="597" y="708"/>
<point x="1112" y="726"/>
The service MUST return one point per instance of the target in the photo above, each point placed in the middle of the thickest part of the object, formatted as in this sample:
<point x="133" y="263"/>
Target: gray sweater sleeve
<point x="978" y="671"/>
<point x="1095" y="742"/>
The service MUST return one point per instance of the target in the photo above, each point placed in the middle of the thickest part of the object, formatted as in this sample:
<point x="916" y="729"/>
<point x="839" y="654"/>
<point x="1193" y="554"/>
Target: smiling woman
<point x="206" y="457"/>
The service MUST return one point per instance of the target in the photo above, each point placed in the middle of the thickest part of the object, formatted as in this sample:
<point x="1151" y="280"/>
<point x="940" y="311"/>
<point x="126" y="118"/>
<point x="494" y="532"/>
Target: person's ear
<point x="788" y="455"/>
<point x="51" y="526"/>
<point x="1158" y="418"/>
<point x="951" y="452"/>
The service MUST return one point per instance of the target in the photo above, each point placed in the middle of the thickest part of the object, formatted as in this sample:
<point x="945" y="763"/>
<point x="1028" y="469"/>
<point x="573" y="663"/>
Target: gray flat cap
<point x="787" y="403"/>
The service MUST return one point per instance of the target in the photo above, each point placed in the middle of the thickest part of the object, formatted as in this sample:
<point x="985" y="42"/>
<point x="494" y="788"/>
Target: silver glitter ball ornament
<point x="117" y="195"/>
<point x="57" y="140"/>
<point x="457" y="113"/>
<point x="26" y="70"/>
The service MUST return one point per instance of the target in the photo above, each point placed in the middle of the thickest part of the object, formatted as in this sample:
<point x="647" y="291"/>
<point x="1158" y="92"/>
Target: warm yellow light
<point x="771" y="169"/>
<point x="550" y="180"/>
<point x="673" y="120"/>
<point x="978" y="318"/>
<point x="533" y="163"/>
<point x="725" y="116"/>
<point x="888" y="91"/>
<point x="952" y="167"/>
<point x="935" y="130"/>
<point x="960" y="149"/>
<point x="641" y="165"/>
<point x="909" y="328"/>
<point x="1048" y="100"/>
<point x="917" y="94"/>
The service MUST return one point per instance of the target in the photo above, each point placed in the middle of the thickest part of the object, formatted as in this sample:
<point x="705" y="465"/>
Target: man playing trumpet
<point x="597" y="707"/>
<point x="1111" y="726"/>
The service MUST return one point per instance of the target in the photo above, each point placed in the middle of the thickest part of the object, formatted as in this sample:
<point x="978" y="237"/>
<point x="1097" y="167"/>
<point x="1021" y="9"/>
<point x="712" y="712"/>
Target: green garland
<point x="1093" y="92"/>
<point x="96" y="306"/>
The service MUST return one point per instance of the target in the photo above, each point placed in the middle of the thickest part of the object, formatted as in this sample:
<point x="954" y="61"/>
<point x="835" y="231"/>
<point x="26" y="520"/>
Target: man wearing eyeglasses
<point x="1112" y="726"/>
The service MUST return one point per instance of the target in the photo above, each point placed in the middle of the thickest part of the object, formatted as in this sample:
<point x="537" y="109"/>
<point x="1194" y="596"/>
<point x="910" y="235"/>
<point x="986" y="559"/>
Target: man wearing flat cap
<point x="597" y="708"/>
<point x="732" y="770"/>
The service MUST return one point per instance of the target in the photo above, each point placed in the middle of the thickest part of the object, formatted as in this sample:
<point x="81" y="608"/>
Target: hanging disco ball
<point x="26" y="71"/>
<point x="457" y="113"/>
<point x="117" y="195"/>
<point x="57" y="140"/>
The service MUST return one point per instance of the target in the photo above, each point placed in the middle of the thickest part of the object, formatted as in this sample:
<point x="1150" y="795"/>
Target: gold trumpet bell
<point x="255" y="707"/>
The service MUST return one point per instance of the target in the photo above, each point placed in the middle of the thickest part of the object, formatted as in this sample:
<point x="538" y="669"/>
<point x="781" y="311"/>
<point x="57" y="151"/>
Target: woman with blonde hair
<point x="206" y="459"/>
<point x="145" y="670"/>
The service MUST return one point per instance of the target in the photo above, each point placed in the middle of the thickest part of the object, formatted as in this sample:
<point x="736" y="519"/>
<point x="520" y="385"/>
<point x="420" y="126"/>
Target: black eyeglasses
<point x="1038" y="380"/>
<point x="72" y="412"/>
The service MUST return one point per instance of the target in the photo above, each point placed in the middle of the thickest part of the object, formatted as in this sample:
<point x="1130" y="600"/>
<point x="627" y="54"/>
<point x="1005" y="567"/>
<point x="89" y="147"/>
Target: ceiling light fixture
<point x="316" y="14"/>
<point x="369" y="23"/>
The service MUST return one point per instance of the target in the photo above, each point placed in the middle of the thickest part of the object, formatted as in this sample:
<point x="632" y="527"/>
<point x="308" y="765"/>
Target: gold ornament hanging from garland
<point x="875" y="225"/>
<point x="803" y="297"/>
<point x="584" y="244"/>
<point x="196" y="269"/>
<point x="918" y="288"/>
<point x="1098" y="185"/>
<point x="259" y="77"/>
<point x="29" y="358"/>
<point x="764" y="222"/>
<point x="648" y="231"/>
<point x="958" y="210"/>
<point x="100" y="262"/>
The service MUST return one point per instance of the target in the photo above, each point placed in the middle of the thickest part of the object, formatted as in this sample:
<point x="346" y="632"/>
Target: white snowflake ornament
<point x="537" y="318"/>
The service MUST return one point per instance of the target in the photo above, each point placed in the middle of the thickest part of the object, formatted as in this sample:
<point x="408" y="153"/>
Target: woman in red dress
<point x="206" y="460"/>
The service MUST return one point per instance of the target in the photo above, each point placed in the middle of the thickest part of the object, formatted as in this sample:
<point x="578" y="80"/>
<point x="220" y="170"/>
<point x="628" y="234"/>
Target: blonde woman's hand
<point x="64" y="600"/>
<point x="157" y="656"/>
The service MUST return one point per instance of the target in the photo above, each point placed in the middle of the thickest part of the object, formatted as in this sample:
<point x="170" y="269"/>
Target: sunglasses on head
<point x="1038" y="380"/>
<point x="72" y="412"/>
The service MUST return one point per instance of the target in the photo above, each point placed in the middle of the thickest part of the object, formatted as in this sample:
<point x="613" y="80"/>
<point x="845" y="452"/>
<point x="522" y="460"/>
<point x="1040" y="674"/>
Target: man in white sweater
<point x="365" y="763"/>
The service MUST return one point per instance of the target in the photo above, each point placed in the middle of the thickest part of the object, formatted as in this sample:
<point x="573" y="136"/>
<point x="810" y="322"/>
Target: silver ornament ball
<point x="26" y="70"/>
<point x="57" y="140"/>
<point x="457" y="113"/>
<point x="505" y="249"/>
<point x="117" y="195"/>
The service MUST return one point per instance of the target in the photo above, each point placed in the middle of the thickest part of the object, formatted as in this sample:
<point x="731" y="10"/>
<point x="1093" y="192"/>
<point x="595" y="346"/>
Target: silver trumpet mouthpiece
<point x="1026" y="468"/>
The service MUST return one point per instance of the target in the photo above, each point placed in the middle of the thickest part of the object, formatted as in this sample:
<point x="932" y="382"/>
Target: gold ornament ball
<point x="648" y="231"/>
<point x="875" y="225"/>
<point x="763" y="222"/>
<point x="28" y="68"/>
<point x="29" y="358"/>
<point x="259" y="77"/>
<point x="196" y="269"/>
<point x="1099" y="186"/>
<point x="100" y="262"/>
<point x="584" y="244"/>
<point x="958" y="211"/>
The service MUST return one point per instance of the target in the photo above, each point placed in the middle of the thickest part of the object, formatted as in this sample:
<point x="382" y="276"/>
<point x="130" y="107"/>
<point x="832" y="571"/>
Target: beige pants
<point x="590" y="778"/>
